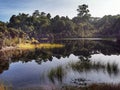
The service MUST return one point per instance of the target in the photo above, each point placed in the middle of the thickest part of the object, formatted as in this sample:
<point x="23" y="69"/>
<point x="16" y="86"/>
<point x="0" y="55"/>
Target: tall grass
<point x="39" y="46"/>
<point x="56" y="73"/>
<point x="2" y="87"/>
<point x="81" y="66"/>
<point x="5" y="87"/>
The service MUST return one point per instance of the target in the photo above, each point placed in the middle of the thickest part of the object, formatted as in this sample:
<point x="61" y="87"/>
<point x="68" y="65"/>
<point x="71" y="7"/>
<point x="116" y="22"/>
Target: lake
<point x="80" y="62"/>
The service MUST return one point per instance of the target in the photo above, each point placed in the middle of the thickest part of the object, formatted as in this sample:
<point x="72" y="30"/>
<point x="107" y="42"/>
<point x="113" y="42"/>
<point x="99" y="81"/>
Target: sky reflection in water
<point x="74" y="65"/>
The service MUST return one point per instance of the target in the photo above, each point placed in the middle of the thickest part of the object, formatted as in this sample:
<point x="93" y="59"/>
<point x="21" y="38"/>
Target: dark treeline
<point x="41" y="25"/>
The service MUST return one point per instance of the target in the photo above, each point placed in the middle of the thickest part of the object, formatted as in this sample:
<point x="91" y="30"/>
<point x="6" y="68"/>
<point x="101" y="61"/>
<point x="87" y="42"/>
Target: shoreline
<point x="28" y="46"/>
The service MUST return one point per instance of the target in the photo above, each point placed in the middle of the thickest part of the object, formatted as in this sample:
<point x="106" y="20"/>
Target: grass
<point x="86" y="66"/>
<point x="56" y="73"/>
<point x="39" y="46"/>
<point x="82" y="66"/>
<point x="4" y="87"/>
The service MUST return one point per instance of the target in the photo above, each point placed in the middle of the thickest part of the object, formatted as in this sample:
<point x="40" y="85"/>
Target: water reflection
<point x="82" y="66"/>
<point x="78" y="48"/>
<point x="72" y="64"/>
<point x="4" y="65"/>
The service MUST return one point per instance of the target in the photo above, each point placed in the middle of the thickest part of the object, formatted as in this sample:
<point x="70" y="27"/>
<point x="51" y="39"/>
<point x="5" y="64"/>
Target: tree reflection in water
<point x="82" y="49"/>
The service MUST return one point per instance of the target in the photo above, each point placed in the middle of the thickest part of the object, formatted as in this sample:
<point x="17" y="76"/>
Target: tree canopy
<point x="42" y="25"/>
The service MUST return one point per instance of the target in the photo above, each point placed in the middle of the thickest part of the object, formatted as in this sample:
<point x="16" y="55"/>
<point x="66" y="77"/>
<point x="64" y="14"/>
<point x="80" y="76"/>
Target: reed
<point x="2" y="87"/>
<point x="56" y="73"/>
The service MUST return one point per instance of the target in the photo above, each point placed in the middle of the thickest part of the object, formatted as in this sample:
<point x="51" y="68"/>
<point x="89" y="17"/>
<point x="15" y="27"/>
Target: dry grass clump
<point x="39" y="46"/>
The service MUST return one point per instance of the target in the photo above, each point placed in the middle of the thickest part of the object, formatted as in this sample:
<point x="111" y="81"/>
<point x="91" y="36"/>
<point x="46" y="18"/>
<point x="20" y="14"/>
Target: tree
<point x="36" y="13"/>
<point x="83" y="13"/>
<point x="57" y="17"/>
<point x="83" y="10"/>
<point x="43" y="13"/>
<point x="48" y="16"/>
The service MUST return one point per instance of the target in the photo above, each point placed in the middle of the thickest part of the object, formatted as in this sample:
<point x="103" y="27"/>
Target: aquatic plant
<point x="56" y="73"/>
<point x="112" y="68"/>
<point x="82" y="66"/>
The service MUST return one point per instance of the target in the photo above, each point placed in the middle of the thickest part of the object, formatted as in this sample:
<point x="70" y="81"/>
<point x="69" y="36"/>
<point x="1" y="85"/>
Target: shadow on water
<point x="4" y="65"/>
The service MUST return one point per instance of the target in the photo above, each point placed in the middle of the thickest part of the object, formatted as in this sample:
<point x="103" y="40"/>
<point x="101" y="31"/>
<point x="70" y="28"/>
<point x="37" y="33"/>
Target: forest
<point x="39" y="26"/>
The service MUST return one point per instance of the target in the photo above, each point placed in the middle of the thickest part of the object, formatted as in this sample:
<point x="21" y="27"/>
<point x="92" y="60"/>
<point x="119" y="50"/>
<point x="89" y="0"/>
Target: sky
<point x="98" y="8"/>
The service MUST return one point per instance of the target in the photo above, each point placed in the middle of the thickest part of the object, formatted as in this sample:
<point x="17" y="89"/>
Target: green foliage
<point x="41" y="25"/>
<point x="108" y="26"/>
<point x="83" y="10"/>
<point x="10" y="36"/>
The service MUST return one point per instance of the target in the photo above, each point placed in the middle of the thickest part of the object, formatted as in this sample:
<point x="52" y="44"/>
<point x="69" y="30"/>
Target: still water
<point x="79" y="62"/>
